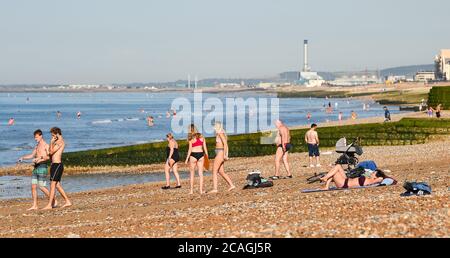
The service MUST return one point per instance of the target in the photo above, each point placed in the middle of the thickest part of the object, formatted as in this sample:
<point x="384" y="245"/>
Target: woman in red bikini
<point x="196" y="155"/>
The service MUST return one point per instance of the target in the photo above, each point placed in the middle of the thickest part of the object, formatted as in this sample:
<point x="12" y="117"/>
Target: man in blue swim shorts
<point x="312" y="139"/>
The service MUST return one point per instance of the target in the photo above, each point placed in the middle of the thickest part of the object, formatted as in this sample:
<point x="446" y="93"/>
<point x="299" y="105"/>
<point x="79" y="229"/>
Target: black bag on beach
<point x="355" y="173"/>
<point x="254" y="180"/>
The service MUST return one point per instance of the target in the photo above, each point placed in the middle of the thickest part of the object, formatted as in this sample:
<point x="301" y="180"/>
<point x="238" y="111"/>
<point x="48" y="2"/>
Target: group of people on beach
<point x="41" y="154"/>
<point x="438" y="111"/>
<point x="197" y="157"/>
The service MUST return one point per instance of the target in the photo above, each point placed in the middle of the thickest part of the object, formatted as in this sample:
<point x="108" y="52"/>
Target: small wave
<point x="140" y="142"/>
<point x="106" y="121"/>
<point x="132" y="119"/>
<point x="22" y="148"/>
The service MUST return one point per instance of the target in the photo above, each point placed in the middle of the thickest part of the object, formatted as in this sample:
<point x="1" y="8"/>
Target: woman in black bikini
<point x="221" y="157"/>
<point x="172" y="158"/>
<point x="340" y="179"/>
<point x="196" y="155"/>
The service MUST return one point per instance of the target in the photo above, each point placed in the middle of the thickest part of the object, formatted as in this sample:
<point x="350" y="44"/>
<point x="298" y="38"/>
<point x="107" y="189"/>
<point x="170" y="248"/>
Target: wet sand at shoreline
<point x="281" y="211"/>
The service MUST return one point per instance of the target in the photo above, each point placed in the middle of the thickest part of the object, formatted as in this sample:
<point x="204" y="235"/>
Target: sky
<point x="111" y="41"/>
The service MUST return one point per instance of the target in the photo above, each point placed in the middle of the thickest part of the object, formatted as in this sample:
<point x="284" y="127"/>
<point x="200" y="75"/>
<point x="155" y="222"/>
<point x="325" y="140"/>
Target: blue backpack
<point x="368" y="164"/>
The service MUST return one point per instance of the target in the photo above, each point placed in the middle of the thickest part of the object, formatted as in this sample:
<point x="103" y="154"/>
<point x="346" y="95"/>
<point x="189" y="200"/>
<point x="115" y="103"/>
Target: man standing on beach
<point x="284" y="145"/>
<point x="39" y="174"/>
<point x="312" y="139"/>
<point x="56" y="149"/>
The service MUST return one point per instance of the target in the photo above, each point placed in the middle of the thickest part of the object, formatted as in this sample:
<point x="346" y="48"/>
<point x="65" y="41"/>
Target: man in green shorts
<point x="39" y="175"/>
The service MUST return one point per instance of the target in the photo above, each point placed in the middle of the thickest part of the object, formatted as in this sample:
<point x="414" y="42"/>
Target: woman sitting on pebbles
<point x="340" y="179"/>
<point x="221" y="157"/>
<point x="172" y="158"/>
<point x="196" y="155"/>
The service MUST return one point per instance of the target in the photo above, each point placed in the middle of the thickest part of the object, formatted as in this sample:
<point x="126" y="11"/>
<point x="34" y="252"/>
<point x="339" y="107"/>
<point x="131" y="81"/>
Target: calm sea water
<point x="12" y="187"/>
<point x="118" y="119"/>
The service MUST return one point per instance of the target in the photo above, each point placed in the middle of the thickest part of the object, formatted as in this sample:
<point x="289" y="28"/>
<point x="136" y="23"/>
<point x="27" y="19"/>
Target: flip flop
<point x="288" y="177"/>
<point x="275" y="177"/>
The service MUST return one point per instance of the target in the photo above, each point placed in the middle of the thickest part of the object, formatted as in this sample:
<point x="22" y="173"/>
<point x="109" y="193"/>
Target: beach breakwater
<point x="404" y="132"/>
<point x="439" y="95"/>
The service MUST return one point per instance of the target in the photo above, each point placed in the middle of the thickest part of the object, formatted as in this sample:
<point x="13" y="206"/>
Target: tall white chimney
<point x="305" y="56"/>
<point x="189" y="81"/>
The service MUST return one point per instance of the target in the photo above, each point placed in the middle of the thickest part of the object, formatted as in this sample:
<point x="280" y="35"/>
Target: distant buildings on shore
<point x="442" y="62"/>
<point x="440" y="71"/>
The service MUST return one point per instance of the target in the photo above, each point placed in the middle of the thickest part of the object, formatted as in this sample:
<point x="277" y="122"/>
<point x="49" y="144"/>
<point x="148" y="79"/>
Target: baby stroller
<point x="347" y="158"/>
<point x="349" y="153"/>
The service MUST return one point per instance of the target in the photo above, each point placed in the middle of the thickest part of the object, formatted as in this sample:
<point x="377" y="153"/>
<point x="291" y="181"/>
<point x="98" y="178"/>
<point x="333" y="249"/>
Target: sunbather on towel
<point x="340" y="179"/>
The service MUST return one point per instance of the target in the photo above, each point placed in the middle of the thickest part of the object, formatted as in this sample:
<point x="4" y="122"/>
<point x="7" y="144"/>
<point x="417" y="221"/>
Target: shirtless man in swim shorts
<point x="312" y="139"/>
<point x="39" y="174"/>
<point x="56" y="149"/>
<point x="284" y="146"/>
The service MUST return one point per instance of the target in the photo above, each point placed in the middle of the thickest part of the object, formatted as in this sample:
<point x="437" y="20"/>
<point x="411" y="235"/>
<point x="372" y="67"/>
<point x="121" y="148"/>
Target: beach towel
<point x="386" y="183"/>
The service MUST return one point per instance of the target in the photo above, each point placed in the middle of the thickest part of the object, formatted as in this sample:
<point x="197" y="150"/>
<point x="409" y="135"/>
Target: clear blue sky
<point x="107" y="41"/>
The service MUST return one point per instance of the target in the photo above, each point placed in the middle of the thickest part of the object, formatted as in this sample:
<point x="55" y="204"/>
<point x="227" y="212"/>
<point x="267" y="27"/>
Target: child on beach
<point x="171" y="161"/>
<point x="39" y="174"/>
<point x="196" y="155"/>
<point x="430" y="112"/>
<point x="387" y="114"/>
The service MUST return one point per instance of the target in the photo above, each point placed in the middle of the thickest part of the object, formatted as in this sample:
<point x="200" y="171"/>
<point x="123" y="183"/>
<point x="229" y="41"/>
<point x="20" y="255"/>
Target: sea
<point x="119" y="119"/>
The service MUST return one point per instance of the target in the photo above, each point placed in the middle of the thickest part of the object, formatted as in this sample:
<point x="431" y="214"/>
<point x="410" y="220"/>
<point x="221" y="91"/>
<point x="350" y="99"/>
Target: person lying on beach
<point x="39" y="175"/>
<point x="172" y="159"/>
<point x="196" y="155"/>
<point x="340" y="179"/>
